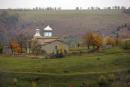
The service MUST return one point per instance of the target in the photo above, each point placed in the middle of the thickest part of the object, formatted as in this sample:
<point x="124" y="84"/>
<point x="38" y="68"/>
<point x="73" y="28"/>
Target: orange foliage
<point x="15" y="47"/>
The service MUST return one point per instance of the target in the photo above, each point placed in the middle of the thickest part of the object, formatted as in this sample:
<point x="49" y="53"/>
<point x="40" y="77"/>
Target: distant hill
<point x="64" y="22"/>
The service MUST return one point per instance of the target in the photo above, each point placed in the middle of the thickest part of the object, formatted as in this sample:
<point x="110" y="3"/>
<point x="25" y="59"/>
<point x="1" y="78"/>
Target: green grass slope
<point x="63" y="72"/>
<point x="96" y="62"/>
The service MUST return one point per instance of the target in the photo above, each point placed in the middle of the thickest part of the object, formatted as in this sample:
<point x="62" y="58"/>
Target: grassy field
<point x="73" y="64"/>
<point x="69" y="70"/>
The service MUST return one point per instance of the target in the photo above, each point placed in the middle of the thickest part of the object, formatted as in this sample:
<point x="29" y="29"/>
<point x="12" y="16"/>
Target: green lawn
<point x="62" y="72"/>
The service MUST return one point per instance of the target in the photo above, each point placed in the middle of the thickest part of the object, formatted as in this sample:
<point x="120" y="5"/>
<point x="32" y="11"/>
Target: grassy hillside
<point x="69" y="22"/>
<point x="76" y="22"/>
<point x="62" y="72"/>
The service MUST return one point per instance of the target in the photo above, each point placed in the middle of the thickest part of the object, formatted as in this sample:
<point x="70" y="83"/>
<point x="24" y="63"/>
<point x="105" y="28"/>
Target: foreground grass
<point x="62" y="72"/>
<point x="103" y="62"/>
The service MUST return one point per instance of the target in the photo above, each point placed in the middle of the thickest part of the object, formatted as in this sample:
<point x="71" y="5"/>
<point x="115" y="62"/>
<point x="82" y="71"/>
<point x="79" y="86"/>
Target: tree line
<point x="76" y="8"/>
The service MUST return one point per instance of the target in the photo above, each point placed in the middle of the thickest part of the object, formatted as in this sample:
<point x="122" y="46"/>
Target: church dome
<point x="48" y="28"/>
<point x="37" y="34"/>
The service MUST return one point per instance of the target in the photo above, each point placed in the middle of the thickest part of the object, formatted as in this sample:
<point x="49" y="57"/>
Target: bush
<point x="1" y="49"/>
<point x="111" y="77"/>
<point x="84" y="84"/>
<point x="103" y="82"/>
<point x="59" y="55"/>
<point x="125" y="44"/>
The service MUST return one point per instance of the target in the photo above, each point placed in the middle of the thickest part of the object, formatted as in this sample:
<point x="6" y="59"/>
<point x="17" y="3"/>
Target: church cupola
<point x="37" y="34"/>
<point x="48" y="31"/>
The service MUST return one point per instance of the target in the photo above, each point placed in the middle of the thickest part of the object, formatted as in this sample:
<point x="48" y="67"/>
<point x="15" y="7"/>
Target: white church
<point x="48" y="41"/>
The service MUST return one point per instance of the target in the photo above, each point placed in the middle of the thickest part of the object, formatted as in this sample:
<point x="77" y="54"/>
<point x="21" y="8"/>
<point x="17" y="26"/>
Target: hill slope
<point x="67" y="22"/>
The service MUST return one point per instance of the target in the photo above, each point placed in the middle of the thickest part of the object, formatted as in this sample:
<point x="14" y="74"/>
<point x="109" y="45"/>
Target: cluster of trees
<point x="38" y="8"/>
<point x="96" y="40"/>
<point x="105" y="8"/>
<point x="17" y="45"/>
<point x="77" y="8"/>
<point x="23" y="41"/>
<point x="48" y="8"/>
<point x="111" y="41"/>
<point x="127" y="11"/>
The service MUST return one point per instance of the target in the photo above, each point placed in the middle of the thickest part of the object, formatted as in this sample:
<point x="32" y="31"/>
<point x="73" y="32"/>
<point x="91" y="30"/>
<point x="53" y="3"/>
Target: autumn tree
<point x="111" y="41"/>
<point x="15" y="47"/>
<point x="93" y="39"/>
<point x="97" y="40"/>
<point x="88" y="39"/>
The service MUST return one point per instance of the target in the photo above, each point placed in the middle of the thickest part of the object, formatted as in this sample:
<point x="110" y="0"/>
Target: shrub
<point x="1" y="49"/>
<point x="111" y="41"/>
<point x="59" y="55"/>
<point x="103" y="82"/>
<point x="84" y="84"/>
<point x="111" y="77"/>
<point x="125" y="44"/>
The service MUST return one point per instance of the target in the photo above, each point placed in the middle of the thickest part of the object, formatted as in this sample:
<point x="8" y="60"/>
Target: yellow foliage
<point x="62" y="49"/>
<point x="111" y="41"/>
<point x="97" y="39"/>
<point x="94" y="39"/>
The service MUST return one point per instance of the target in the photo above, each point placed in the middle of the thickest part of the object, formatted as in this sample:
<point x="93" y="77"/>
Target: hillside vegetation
<point x="64" y="22"/>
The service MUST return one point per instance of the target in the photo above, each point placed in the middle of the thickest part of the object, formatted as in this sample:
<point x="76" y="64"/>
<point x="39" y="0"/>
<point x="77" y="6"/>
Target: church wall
<point x="50" y="48"/>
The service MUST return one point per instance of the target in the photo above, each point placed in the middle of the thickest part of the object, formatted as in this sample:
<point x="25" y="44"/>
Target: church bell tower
<point x="47" y="31"/>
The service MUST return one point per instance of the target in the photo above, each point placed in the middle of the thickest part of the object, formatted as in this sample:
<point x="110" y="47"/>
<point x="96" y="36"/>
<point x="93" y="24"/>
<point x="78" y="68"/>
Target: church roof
<point x="48" y="28"/>
<point x="44" y="40"/>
